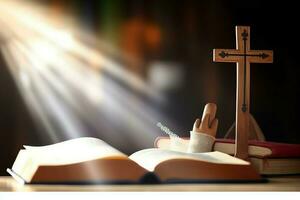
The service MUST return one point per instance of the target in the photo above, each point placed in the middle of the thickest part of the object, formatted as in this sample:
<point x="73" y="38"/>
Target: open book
<point x="90" y="160"/>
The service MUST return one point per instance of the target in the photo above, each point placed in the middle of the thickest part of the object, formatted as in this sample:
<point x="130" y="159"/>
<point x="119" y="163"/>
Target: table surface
<point x="283" y="183"/>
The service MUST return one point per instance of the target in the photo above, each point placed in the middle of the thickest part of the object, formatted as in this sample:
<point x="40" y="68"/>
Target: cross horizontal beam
<point x="236" y="55"/>
<point x="223" y="54"/>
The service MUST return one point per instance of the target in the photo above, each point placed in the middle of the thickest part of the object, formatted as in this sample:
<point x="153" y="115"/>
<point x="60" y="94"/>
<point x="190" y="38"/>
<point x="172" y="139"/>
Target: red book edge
<point x="279" y="150"/>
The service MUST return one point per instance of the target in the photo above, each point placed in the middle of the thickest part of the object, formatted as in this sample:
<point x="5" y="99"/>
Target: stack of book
<point x="268" y="158"/>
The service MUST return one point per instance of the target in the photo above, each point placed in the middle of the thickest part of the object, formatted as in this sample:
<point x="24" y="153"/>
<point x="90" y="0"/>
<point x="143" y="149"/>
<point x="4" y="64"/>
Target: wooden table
<point x="283" y="183"/>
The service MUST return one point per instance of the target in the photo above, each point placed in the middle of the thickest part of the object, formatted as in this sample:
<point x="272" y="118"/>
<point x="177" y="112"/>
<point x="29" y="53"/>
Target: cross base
<point x="255" y="132"/>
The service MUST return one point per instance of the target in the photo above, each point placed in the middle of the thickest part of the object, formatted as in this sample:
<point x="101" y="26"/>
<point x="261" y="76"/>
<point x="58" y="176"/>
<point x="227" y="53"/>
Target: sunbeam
<point x="73" y="88"/>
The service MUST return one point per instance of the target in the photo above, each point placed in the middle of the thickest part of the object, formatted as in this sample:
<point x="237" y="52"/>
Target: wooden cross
<point x="242" y="56"/>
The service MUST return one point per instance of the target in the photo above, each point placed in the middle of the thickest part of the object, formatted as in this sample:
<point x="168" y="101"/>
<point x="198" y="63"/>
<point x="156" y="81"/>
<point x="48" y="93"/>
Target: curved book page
<point x="150" y="158"/>
<point x="72" y="151"/>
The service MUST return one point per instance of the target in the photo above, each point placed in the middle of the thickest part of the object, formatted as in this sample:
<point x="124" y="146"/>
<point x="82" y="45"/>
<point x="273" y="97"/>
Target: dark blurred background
<point x="181" y="34"/>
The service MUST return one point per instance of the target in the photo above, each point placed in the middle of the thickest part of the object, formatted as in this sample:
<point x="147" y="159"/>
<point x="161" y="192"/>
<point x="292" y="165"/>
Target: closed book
<point x="266" y="157"/>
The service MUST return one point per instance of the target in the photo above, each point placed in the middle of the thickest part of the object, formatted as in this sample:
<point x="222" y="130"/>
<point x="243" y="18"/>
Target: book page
<point x="150" y="158"/>
<point x="72" y="151"/>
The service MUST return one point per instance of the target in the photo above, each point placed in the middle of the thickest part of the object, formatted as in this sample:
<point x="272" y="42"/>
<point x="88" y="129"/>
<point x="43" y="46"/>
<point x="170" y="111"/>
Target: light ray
<point x="72" y="87"/>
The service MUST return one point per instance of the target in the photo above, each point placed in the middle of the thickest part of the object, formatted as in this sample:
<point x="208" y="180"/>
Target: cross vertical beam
<point x="242" y="56"/>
